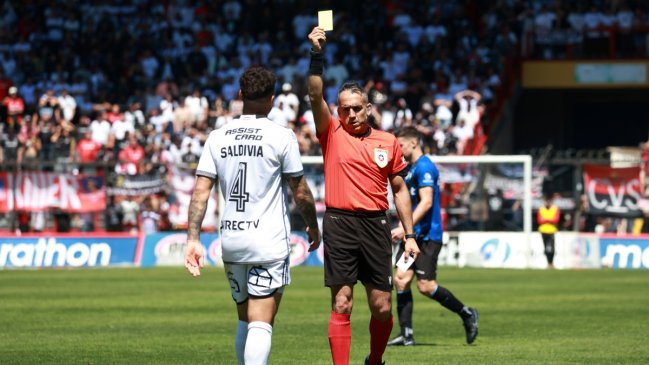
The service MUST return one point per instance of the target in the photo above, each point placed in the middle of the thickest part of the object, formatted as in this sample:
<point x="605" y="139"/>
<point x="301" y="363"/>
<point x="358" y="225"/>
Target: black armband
<point x="316" y="67"/>
<point x="403" y="173"/>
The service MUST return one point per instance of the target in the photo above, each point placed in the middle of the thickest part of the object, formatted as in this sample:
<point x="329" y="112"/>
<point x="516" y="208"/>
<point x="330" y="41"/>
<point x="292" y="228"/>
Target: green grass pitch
<point x="163" y="316"/>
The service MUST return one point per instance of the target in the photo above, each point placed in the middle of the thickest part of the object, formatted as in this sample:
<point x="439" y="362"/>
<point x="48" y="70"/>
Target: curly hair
<point x="257" y="83"/>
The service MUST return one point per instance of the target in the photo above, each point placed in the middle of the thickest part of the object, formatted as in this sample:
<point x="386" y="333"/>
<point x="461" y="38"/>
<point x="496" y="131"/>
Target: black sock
<point x="449" y="301"/>
<point x="404" y="311"/>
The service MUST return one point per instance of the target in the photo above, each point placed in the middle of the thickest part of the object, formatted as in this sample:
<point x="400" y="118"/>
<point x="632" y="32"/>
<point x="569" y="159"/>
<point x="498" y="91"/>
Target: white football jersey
<point x="249" y="156"/>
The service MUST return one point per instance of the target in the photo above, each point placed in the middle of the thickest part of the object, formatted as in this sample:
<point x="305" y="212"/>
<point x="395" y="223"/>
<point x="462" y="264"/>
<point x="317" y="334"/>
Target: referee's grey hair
<point x="355" y="88"/>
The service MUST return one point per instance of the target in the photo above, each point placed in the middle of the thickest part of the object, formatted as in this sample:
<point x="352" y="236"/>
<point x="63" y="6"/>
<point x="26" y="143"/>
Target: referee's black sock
<point x="449" y="301"/>
<point x="404" y="311"/>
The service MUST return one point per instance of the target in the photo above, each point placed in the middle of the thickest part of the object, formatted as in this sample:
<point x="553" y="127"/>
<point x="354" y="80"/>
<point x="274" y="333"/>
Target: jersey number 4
<point x="238" y="192"/>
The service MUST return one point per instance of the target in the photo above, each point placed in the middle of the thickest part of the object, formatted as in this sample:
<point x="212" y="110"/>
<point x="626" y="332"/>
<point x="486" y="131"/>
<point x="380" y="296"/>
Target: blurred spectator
<point x="288" y="103"/>
<point x="150" y="215"/>
<point x="45" y="128"/>
<point x="120" y="127"/>
<point x="130" y="157"/>
<point x="443" y="104"/>
<point x="68" y="106"/>
<point x="64" y="144"/>
<point x="15" y="107"/>
<point x="48" y="108"/>
<point x="462" y="132"/>
<point x="130" y="210"/>
<point x="158" y="121"/>
<point x="87" y="150"/>
<point x="198" y="105"/>
<point x="191" y="146"/>
<point x="167" y="107"/>
<point x="468" y="102"/>
<point x="113" y="216"/>
<point x="277" y="115"/>
<point x="182" y="116"/>
<point x="403" y="115"/>
<point x="134" y="115"/>
<point x="100" y="128"/>
<point x="29" y="151"/>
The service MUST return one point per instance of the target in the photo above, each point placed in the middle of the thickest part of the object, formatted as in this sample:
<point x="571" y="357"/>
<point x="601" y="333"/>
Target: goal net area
<point x="487" y="203"/>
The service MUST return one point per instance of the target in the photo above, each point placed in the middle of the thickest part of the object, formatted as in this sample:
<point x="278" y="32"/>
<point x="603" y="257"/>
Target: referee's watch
<point x="410" y="235"/>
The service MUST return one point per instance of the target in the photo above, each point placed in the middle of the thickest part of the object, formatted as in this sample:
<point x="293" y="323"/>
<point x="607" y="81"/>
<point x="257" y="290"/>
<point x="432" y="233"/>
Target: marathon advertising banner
<point x="38" y="191"/>
<point x="168" y="249"/>
<point x="45" y="251"/>
<point x="613" y="191"/>
<point x="625" y="252"/>
<point x="136" y="185"/>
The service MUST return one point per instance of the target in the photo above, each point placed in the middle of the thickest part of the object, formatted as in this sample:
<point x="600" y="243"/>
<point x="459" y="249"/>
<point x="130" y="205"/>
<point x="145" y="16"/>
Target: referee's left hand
<point x="411" y="249"/>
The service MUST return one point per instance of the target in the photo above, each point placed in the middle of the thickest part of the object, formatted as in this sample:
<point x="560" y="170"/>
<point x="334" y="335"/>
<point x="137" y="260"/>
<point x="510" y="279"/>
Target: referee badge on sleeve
<point x="381" y="157"/>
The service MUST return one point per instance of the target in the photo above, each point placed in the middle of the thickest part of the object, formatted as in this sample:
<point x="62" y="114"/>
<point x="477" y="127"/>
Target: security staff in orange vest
<point x="548" y="220"/>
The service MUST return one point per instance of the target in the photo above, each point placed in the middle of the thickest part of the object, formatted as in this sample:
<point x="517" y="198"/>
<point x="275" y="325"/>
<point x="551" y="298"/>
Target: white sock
<point x="240" y="340"/>
<point x="258" y="343"/>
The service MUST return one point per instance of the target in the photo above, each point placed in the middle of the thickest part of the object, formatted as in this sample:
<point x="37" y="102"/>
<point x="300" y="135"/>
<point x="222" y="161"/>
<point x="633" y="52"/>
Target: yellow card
<point x="326" y="19"/>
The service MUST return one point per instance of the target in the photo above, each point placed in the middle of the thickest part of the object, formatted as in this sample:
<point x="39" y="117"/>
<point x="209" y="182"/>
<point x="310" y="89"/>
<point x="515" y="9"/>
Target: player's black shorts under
<point x="425" y="266"/>
<point x="357" y="246"/>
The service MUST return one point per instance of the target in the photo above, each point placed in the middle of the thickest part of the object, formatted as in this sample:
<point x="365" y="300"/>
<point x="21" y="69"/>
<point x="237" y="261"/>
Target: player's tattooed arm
<point x="198" y="206"/>
<point x="306" y="206"/>
<point x="303" y="199"/>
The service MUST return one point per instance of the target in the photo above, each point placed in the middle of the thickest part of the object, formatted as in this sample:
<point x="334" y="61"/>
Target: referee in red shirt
<point x="358" y="163"/>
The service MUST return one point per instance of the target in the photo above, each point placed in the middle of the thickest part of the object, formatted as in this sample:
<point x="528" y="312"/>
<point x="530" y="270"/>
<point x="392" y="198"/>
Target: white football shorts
<point x="257" y="280"/>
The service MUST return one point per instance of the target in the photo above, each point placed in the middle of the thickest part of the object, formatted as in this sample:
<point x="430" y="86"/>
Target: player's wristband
<point x="410" y="235"/>
<point x="316" y="67"/>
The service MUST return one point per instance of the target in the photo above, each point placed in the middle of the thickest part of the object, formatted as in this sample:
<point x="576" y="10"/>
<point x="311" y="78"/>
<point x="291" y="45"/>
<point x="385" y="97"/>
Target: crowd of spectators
<point x="139" y="84"/>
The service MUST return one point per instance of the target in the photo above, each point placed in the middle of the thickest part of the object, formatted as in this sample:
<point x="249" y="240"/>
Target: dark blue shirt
<point x="423" y="174"/>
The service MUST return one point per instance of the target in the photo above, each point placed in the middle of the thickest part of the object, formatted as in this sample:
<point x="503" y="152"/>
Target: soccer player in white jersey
<point x="255" y="162"/>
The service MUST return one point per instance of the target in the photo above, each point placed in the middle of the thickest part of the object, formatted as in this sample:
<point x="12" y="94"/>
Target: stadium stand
<point x="126" y="89"/>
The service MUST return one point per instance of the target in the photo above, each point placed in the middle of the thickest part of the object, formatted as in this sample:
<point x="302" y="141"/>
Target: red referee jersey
<point x="357" y="168"/>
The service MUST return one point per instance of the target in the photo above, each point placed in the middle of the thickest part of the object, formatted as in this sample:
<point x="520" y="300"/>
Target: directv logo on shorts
<point x="494" y="252"/>
<point x="48" y="252"/>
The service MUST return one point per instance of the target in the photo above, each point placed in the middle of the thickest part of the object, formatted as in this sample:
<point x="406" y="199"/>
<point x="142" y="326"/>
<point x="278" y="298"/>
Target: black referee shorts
<point x="357" y="246"/>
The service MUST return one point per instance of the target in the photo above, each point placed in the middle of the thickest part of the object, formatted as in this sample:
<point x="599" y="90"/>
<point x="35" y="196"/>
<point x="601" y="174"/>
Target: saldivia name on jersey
<point x="243" y="149"/>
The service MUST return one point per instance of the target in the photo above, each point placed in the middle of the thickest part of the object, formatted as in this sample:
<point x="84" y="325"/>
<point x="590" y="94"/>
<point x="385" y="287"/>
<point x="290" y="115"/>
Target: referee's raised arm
<point x="315" y="82"/>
